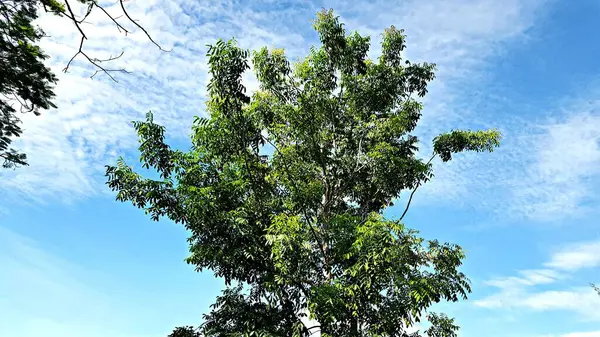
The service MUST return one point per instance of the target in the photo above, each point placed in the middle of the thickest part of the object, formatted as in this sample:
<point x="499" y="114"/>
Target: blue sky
<point x="73" y="262"/>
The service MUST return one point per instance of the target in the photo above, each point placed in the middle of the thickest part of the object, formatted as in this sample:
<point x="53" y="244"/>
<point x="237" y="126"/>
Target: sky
<point x="76" y="263"/>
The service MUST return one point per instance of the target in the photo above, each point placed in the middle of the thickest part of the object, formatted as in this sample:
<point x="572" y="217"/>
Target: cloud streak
<point x="526" y="178"/>
<point x="522" y="291"/>
<point x="582" y="334"/>
<point x="577" y="256"/>
<point x="545" y="170"/>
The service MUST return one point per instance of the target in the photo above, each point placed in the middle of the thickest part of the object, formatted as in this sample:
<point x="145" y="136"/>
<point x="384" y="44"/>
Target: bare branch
<point x="110" y="58"/>
<point x="72" y="17"/>
<point x="93" y="60"/>
<point x="72" y="58"/>
<point x="114" y="19"/>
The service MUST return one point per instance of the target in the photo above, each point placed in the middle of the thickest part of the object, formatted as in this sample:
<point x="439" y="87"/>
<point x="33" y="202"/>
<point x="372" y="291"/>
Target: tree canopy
<point x="26" y="82"/>
<point x="283" y="191"/>
<point x="185" y="331"/>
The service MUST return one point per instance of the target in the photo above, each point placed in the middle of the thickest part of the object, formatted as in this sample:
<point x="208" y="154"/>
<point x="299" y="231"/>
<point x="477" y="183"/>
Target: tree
<point x="283" y="192"/>
<point x="184" y="331"/>
<point x="26" y="83"/>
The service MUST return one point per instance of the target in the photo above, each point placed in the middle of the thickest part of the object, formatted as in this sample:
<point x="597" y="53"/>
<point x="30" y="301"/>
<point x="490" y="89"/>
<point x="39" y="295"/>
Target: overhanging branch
<point x="413" y="192"/>
<point x="96" y="62"/>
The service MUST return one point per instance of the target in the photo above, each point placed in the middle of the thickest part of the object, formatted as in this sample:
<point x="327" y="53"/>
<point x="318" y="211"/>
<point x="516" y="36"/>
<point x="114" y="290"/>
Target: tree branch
<point x="312" y="229"/>
<point x="414" y="190"/>
<point x="119" y="26"/>
<point x="140" y="27"/>
<point x="96" y="61"/>
<point x="72" y="17"/>
<point x="87" y="13"/>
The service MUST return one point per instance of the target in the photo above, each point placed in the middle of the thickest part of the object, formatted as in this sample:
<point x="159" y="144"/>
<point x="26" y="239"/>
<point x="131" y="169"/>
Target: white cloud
<point x="541" y="171"/>
<point x="91" y="126"/>
<point x="546" y="168"/>
<point x="574" y="257"/>
<point x="522" y="291"/>
<point x="582" y="334"/>
<point x="581" y="301"/>
<point x="561" y="178"/>
<point x="527" y="278"/>
<point x="574" y="334"/>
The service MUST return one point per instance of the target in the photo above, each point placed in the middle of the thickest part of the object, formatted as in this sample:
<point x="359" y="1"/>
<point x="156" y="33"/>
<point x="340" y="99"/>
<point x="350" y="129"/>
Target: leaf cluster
<point x="25" y="82"/>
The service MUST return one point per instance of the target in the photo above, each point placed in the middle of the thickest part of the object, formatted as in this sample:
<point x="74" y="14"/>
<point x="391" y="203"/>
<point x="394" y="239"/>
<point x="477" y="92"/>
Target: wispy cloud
<point x="91" y="126"/>
<point x="582" y="334"/>
<point x="543" y="170"/>
<point x="522" y="291"/>
<point x="527" y="278"/>
<point x="573" y="334"/>
<point x="560" y="180"/>
<point x="546" y="168"/>
<point x="576" y="256"/>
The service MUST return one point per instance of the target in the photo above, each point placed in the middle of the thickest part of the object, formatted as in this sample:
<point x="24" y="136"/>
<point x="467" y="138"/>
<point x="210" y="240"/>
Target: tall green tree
<point x="283" y="191"/>
<point x="26" y="83"/>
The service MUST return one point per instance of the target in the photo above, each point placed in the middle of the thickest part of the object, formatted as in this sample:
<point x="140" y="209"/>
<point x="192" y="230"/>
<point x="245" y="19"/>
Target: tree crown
<point x="283" y="191"/>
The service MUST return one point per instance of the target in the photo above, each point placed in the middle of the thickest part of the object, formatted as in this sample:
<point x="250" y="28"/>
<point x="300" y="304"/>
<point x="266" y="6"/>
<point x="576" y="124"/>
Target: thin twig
<point x="95" y="62"/>
<point x="74" y="56"/>
<point x="23" y="104"/>
<point x="119" y="26"/>
<point x="110" y="58"/>
<point x="89" y="11"/>
<point x="140" y="27"/>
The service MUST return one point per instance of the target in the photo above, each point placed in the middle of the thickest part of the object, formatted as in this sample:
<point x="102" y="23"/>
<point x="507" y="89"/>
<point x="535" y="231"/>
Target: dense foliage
<point x="26" y="84"/>
<point x="283" y="191"/>
<point x="185" y="331"/>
